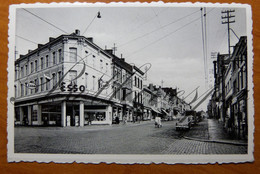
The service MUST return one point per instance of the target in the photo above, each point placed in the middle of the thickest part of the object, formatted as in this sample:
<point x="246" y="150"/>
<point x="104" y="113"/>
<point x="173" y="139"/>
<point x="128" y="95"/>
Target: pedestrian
<point x="125" y="120"/>
<point x="117" y="120"/>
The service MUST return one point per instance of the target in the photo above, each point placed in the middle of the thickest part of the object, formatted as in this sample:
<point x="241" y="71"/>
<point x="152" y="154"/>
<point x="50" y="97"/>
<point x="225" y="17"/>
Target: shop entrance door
<point x="73" y="112"/>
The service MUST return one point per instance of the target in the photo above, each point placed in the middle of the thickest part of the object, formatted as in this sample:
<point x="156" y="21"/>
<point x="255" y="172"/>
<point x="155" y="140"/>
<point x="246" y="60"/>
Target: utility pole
<point x="227" y="20"/>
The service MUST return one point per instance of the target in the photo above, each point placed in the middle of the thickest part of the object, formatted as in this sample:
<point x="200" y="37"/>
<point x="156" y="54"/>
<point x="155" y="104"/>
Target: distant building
<point x="229" y="100"/>
<point x="138" y="76"/>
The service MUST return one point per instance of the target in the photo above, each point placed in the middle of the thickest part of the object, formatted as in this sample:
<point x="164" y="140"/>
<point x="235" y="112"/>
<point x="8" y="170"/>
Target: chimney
<point x="77" y="32"/>
<point x="40" y="45"/>
<point x="90" y="39"/>
<point x="109" y="51"/>
<point x="29" y="51"/>
<point x="51" y="39"/>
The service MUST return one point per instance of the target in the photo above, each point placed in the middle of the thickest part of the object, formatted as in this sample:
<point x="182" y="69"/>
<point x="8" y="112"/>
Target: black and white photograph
<point x="130" y="83"/>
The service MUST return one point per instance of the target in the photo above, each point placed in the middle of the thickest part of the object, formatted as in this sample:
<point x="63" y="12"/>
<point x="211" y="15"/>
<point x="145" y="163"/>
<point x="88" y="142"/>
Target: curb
<point x="216" y="141"/>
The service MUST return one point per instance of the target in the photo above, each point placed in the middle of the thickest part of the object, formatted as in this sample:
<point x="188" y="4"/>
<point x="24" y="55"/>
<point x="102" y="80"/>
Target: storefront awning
<point x="155" y="110"/>
<point x="165" y="112"/>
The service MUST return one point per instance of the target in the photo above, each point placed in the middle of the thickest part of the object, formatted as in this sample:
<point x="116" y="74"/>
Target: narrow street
<point x="137" y="138"/>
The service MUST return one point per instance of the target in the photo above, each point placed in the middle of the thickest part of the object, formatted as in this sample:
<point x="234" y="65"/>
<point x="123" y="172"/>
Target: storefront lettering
<point x="71" y="87"/>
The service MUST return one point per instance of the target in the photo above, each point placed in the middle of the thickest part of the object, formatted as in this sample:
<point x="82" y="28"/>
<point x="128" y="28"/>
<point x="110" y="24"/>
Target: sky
<point x="169" y="38"/>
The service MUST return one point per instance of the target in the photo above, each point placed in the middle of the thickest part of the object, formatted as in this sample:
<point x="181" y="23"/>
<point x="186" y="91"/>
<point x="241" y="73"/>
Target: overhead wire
<point x="157" y="29"/>
<point x="131" y="54"/>
<point x="203" y="41"/>
<point x="26" y="39"/>
<point x="163" y="37"/>
<point x="44" y="20"/>
<point x="90" y="22"/>
<point x="206" y="45"/>
<point x="147" y="21"/>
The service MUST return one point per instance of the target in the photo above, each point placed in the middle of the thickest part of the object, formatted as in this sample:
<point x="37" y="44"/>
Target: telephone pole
<point x="227" y="20"/>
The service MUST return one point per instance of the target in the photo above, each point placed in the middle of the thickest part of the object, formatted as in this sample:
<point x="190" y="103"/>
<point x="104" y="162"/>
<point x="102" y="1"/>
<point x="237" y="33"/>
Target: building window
<point x="54" y="58"/>
<point x="42" y="63"/>
<point x="22" y="90"/>
<point x="73" y="54"/>
<point x="101" y="65"/>
<point x="94" y="81"/>
<point x="36" y="85"/>
<point x="72" y="76"/>
<point x="141" y="84"/>
<point x="22" y="72"/>
<point x="135" y="81"/>
<point x="31" y="89"/>
<point x="47" y="84"/>
<point x="115" y="73"/>
<point x="106" y="67"/>
<point x="47" y="61"/>
<point x="42" y="84"/>
<point x="138" y="82"/>
<point x="15" y="91"/>
<point x="54" y="79"/>
<point x="60" y="56"/>
<point x="26" y="69"/>
<point x="32" y="68"/>
<point x="93" y="61"/>
<point x="59" y="77"/>
<point x="36" y="65"/>
<point x="26" y="89"/>
<point x="86" y="80"/>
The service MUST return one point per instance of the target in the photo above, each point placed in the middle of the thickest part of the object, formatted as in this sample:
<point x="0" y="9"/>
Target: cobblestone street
<point x="137" y="138"/>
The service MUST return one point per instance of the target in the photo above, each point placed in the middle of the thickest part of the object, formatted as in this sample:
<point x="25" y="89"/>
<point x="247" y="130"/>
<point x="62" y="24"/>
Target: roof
<point x="52" y="41"/>
<point x="138" y="70"/>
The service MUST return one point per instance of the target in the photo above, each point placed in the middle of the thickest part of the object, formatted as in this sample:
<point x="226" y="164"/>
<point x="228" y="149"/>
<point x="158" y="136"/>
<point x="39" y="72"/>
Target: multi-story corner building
<point x="64" y="82"/>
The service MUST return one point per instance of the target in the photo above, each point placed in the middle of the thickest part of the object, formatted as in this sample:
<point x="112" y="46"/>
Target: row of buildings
<point x="71" y="81"/>
<point x="229" y="100"/>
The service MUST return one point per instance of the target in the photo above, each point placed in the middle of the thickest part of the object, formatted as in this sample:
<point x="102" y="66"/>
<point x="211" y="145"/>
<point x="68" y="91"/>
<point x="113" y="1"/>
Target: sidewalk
<point x="210" y="130"/>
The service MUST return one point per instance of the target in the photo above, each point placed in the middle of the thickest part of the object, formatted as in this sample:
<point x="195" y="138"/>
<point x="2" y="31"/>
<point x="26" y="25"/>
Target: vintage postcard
<point x="130" y="83"/>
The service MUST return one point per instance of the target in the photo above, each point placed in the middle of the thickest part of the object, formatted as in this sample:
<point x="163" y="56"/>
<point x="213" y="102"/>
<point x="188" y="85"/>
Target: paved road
<point x="136" y="138"/>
